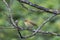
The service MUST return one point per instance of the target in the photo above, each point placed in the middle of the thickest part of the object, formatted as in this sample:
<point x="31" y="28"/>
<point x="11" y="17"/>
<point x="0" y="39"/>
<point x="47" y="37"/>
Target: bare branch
<point x="46" y="32"/>
<point x="39" y="28"/>
<point x="11" y="18"/>
<point x="32" y="10"/>
<point x="40" y="7"/>
<point x="40" y="31"/>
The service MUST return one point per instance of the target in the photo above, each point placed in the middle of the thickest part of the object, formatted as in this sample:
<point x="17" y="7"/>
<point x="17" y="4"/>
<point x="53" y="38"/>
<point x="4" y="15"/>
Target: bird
<point x="29" y="24"/>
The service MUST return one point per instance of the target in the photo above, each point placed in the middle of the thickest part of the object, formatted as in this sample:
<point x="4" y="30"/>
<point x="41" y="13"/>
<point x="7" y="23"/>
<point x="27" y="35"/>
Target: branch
<point x="46" y="32"/>
<point x="39" y="28"/>
<point x="40" y="31"/>
<point x="32" y="10"/>
<point x="11" y="18"/>
<point x="40" y="7"/>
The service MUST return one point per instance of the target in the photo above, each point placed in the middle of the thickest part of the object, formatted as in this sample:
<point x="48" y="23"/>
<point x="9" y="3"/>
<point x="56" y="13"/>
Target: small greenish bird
<point x="29" y="24"/>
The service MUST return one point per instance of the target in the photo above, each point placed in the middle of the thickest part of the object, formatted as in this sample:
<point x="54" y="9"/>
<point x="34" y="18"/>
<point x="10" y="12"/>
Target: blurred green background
<point x="20" y="14"/>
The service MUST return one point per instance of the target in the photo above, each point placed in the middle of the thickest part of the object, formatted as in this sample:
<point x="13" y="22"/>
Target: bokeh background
<point x="20" y="14"/>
